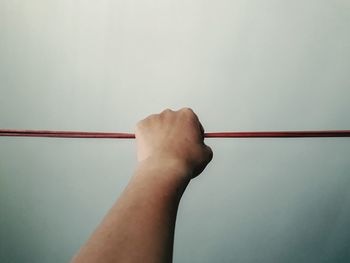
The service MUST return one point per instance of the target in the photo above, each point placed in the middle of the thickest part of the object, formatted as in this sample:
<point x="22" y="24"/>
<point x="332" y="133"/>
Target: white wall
<point x="241" y="65"/>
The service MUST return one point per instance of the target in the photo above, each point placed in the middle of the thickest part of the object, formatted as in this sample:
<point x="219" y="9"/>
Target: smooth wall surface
<point x="241" y="65"/>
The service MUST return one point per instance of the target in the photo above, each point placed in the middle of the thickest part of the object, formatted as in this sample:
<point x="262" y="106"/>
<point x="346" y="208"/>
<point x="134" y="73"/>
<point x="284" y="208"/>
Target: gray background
<point x="241" y="65"/>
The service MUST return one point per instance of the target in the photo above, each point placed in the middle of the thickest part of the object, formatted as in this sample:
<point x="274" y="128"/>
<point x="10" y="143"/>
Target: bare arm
<point x="140" y="225"/>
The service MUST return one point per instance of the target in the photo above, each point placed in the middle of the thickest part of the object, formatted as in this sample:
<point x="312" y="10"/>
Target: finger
<point x="201" y="128"/>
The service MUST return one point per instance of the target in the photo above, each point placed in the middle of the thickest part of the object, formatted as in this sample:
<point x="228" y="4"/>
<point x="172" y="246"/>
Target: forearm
<point x="140" y="226"/>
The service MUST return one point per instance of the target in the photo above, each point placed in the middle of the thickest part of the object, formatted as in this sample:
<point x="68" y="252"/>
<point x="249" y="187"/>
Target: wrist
<point x="170" y="170"/>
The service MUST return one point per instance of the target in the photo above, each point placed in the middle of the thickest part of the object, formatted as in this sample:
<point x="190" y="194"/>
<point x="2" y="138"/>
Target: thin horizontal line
<point x="113" y="135"/>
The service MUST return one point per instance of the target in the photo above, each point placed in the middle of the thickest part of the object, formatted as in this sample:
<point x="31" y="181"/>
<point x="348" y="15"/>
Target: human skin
<point x="140" y="225"/>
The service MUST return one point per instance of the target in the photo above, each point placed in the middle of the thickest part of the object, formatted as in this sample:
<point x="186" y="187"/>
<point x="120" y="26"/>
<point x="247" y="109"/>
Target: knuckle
<point x="187" y="111"/>
<point x="167" y="110"/>
<point x="146" y="122"/>
<point x="150" y="117"/>
<point x="142" y="123"/>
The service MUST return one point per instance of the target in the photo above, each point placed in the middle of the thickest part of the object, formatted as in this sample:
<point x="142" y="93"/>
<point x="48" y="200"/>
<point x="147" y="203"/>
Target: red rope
<point x="112" y="135"/>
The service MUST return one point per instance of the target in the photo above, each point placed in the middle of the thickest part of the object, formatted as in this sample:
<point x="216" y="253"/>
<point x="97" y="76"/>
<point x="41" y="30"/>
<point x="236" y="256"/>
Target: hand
<point x="175" y="137"/>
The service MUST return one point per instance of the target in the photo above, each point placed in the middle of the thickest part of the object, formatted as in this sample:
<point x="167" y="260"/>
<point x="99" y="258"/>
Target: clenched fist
<point x="173" y="137"/>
